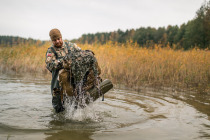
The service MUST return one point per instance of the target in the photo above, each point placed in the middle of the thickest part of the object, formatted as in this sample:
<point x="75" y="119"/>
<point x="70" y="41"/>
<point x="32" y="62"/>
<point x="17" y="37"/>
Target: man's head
<point x="56" y="37"/>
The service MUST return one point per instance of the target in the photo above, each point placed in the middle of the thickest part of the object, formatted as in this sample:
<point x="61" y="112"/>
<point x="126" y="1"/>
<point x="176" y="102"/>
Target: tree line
<point x="9" y="41"/>
<point x="195" y="33"/>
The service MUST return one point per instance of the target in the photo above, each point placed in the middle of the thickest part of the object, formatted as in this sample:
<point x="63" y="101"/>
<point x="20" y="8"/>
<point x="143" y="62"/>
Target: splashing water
<point x="79" y="110"/>
<point x="26" y="113"/>
<point x="81" y="106"/>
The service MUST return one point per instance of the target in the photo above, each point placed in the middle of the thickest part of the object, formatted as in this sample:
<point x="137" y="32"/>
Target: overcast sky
<point x="35" y="18"/>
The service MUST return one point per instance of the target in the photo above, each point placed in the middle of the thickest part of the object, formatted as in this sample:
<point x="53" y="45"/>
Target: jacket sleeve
<point x="51" y="61"/>
<point x="73" y="47"/>
<point x="76" y="47"/>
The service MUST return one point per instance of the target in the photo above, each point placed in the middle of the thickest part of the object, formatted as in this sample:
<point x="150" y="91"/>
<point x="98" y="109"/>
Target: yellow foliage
<point x="127" y="64"/>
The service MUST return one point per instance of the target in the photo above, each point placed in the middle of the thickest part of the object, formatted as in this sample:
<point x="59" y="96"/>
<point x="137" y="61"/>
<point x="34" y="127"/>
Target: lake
<point x="26" y="113"/>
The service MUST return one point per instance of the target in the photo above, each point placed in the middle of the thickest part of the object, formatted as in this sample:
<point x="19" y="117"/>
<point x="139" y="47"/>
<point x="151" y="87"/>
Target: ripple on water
<point x="26" y="107"/>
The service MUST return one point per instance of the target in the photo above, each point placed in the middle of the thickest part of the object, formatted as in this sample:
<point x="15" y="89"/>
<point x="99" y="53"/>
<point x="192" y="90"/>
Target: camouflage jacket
<point x="53" y="59"/>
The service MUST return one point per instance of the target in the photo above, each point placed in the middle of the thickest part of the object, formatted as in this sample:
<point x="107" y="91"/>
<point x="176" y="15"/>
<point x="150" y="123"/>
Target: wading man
<point x="75" y="72"/>
<point x="54" y="63"/>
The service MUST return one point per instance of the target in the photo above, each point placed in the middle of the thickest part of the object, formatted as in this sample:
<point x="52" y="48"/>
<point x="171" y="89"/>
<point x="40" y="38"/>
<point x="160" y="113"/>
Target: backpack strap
<point x="53" y="50"/>
<point x="56" y="55"/>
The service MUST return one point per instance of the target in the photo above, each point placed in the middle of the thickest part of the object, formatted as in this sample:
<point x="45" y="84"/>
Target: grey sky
<point x="35" y="18"/>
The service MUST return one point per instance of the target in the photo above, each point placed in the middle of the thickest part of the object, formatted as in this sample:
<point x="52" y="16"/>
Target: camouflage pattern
<point x="81" y="62"/>
<point x="66" y="80"/>
<point x="74" y="71"/>
<point x="84" y="70"/>
<point x="55" y="65"/>
<point x="52" y="62"/>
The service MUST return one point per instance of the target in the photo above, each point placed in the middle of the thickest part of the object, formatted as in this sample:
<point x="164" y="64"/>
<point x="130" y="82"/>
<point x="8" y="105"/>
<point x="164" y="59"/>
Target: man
<point x="75" y="72"/>
<point x="54" y="63"/>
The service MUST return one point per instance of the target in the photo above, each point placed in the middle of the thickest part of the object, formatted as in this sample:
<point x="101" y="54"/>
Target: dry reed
<point x="127" y="64"/>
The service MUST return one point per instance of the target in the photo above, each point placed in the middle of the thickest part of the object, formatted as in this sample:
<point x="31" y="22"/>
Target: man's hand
<point x="66" y="62"/>
<point x="60" y="64"/>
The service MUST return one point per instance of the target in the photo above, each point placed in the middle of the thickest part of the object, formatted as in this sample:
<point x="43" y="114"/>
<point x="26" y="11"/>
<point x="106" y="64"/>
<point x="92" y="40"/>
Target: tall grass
<point x="23" y="58"/>
<point x="127" y="64"/>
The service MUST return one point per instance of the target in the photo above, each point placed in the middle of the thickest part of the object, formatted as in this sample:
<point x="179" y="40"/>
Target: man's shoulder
<point x="49" y="49"/>
<point x="71" y="45"/>
<point x="52" y="49"/>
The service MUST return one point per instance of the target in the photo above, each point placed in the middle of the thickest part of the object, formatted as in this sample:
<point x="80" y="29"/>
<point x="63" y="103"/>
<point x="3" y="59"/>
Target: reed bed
<point x="127" y="64"/>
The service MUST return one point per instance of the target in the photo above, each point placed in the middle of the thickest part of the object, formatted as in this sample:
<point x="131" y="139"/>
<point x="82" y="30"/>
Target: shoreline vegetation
<point x="125" y="64"/>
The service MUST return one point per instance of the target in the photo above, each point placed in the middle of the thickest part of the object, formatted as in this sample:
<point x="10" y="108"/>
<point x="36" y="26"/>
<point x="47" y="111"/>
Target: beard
<point x="59" y="44"/>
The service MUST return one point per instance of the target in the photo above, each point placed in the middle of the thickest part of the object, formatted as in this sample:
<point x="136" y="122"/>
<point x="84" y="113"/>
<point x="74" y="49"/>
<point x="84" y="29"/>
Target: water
<point x="26" y="113"/>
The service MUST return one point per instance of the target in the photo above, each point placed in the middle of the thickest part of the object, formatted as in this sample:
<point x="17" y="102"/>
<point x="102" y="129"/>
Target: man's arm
<point x="76" y="47"/>
<point x="73" y="47"/>
<point x="51" y="61"/>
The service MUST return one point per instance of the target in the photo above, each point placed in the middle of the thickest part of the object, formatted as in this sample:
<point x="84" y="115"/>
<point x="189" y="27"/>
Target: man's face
<point x="57" y="42"/>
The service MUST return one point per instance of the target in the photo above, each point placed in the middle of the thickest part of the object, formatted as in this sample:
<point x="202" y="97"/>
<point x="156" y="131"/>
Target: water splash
<point x="79" y="110"/>
<point x="81" y="106"/>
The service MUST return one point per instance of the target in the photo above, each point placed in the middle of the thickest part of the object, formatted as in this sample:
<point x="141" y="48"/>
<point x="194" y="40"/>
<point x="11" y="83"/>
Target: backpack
<point x="81" y="72"/>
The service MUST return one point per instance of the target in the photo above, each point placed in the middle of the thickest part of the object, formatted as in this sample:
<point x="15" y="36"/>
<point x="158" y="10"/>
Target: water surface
<point x="26" y="113"/>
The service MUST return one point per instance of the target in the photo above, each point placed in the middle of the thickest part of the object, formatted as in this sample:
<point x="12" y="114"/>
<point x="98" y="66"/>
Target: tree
<point x="198" y="29"/>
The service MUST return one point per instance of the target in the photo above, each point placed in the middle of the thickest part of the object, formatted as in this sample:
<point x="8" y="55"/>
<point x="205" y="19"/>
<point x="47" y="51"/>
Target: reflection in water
<point x="69" y="135"/>
<point x="200" y="101"/>
<point x="26" y="113"/>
